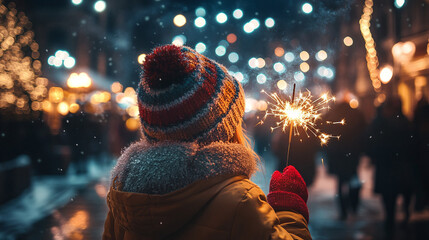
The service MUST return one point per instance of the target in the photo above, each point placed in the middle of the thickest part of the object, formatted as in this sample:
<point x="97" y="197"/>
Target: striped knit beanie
<point x="185" y="96"/>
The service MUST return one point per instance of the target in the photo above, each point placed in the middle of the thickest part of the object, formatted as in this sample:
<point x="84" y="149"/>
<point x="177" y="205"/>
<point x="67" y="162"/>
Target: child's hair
<point x="241" y="137"/>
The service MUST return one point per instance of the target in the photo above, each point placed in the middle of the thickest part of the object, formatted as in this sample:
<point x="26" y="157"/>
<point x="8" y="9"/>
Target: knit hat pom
<point x="165" y="66"/>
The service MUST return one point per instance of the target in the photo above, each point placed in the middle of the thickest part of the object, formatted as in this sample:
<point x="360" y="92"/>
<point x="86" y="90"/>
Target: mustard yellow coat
<point x="221" y="207"/>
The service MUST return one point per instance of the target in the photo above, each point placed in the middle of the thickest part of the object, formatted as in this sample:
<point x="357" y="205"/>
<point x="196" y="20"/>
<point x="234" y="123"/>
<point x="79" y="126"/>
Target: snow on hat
<point x="185" y="96"/>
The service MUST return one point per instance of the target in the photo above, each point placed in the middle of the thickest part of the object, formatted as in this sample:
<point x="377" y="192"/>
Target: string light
<point x="371" y="56"/>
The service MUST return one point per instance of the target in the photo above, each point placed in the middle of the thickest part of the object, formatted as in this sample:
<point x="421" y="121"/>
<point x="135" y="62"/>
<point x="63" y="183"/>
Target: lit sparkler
<point x="300" y="115"/>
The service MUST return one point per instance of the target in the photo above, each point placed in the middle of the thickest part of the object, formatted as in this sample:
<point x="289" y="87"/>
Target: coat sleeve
<point x="256" y="219"/>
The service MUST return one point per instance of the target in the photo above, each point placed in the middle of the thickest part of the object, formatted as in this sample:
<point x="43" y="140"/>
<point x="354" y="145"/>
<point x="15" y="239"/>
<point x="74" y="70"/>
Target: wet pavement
<point x="82" y="214"/>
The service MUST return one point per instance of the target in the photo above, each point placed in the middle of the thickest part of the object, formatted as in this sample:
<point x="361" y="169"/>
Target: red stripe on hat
<point x="186" y="109"/>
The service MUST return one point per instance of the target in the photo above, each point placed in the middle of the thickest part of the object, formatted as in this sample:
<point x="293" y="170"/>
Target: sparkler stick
<point x="291" y="128"/>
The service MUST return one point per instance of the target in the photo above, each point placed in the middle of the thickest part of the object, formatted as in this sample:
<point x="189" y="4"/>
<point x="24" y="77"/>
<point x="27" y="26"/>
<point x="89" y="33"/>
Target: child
<point x="189" y="177"/>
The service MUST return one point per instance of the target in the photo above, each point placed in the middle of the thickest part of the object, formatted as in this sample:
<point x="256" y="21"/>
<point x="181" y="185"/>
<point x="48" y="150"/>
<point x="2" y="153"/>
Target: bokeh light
<point x="304" y="67"/>
<point x="141" y="58"/>
<point x="304" y="56"/>
<point x="289" y="57"/>
<point x="321" y="55"/>
<point x="253" y="62"/>
<point x="179" y="20"/>
<point x="200" y="12"/>
<point x="281" y="84"/>
<point x="231" y="38"/>
<point x="269" y="22"/>
<point x="63" y="108"/>
<point x="307" y="8"/>
<point x="100" y="6"/>
<point x="261" y="78"/>
<point x="354" y="103"/>
<point x="279" y="51"/>
<point x="237" y="14"/>
<point x="233" y="57"/>
<point x="200" y="47"/>
<point x="200" y="22"/>
<point x="261" y="63"/>
<point x="386" y="74"/>
<point x="279" y="67"/>
<point x="239" y="76"/>
<point x="77" y="2"/>
<point x="179" y="40"/>
<point x="116" y="87"/>
<point x="348" y="41"/>
<point x="399" y="3"/>
<point x="220" y="51"/>
<point x="221" y="17"/>
<point x="69" y="62"/>
<point x="299" y="76"/>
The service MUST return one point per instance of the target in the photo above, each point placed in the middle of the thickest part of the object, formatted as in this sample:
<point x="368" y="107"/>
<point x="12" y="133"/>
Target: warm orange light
<point x="304" y="67"/>
<point x="132" y="124"/>
<point x="74" y="107"/>
<point x="281" y="84"/>
<point x="403" y="52"/>
<point x="261" y="63"/>
<point x="179" y="20"/>
<point x="81" y="80"/>
<point x="63" y="108"/>
<point x="279" y="51"/>
<point x="56" y="94"/>
<point x="116" y="87"/>
<point x="304" y="56"/>
<point x="231" y="38"/>
<point x="133" y="111"/>
<point x="141" y="58"/>
<point x="47" y="106"/>
<point x="354" y="103"/>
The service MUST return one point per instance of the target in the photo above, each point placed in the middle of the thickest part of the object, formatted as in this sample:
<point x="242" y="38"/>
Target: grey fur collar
<point x="165" y="167"/>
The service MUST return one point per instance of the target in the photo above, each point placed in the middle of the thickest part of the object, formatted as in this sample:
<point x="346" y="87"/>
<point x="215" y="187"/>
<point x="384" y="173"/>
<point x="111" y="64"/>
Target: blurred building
<point x="389" y="54"/>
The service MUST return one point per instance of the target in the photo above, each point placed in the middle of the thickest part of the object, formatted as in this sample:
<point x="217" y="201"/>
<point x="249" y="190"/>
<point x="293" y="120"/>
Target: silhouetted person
<point x="390" y="148"/>
<point x="343" y="155"/>
<point x="421" y="129"/>
<point x="302" y="155"/>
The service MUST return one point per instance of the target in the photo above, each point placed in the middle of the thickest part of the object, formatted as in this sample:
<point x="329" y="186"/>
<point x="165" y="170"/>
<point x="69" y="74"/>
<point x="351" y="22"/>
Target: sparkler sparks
<point x="302" y="115"/>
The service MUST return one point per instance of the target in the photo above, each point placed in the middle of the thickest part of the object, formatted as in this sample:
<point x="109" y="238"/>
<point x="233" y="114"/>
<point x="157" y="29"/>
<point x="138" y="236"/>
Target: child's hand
<point x="288" y="192"/>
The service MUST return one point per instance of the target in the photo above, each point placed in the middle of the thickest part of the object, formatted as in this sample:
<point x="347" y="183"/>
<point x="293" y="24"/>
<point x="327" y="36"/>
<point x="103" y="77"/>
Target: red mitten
<point x="288" y="192"/>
